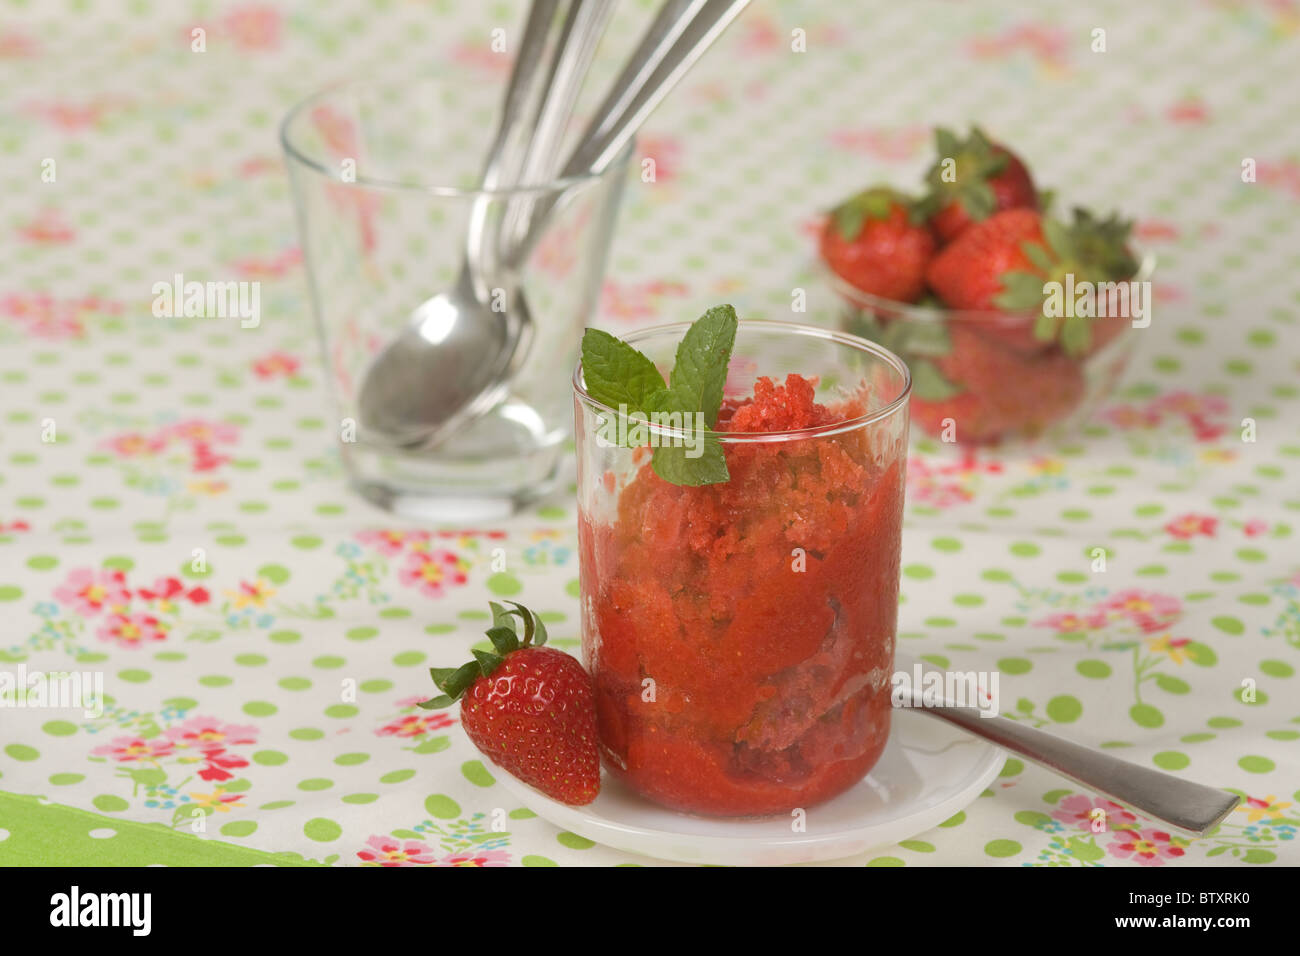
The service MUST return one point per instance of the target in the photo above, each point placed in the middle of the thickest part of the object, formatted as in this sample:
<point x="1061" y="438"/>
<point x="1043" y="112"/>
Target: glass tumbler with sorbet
<point x="741" y="633"/>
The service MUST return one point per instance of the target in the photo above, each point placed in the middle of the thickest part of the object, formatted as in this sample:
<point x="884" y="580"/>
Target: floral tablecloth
<point x="172" y="513"/>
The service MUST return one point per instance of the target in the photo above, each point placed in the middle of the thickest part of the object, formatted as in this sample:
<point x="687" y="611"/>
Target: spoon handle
<point x="1180" y="803"/>
<point x="514" y="106"/>
<point x="679" y="36"/>
<point x="574" y="50"/>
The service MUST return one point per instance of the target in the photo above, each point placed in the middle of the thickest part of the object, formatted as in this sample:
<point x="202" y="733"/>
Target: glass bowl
<point x="981" y="378"/>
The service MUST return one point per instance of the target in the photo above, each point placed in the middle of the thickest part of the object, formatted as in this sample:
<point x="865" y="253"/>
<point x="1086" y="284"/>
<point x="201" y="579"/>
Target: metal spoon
<point x="435" y="370"/>
<point x="1180" y="803"/>
<point x="425" y="397"/>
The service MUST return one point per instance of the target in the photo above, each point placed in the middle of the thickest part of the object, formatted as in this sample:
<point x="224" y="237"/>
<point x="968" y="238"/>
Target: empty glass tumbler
<point x="386" y="180"/>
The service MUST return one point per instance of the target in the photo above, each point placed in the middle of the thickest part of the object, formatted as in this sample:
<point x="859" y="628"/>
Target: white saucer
<point x="927" y="773"/>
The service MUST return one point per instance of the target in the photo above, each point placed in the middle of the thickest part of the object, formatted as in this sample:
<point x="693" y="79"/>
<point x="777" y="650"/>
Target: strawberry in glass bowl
<point x="1013" y="321"/>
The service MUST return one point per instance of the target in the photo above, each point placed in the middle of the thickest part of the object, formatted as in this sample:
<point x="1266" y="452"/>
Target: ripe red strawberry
<point x="530" y="708"/>
<point x="1002" y="266"/>
<point x="969" y="273"/>
<point x="971" y="180"/>
<point x="991" y="392"/>
<point x="878" y="243"/>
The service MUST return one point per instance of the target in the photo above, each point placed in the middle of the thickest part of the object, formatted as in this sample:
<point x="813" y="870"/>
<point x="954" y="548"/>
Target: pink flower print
<point x="666" y="151"/>
<point x="12" y="526"/>
<point x="1149" y="847"/>
<point x="1047" y="45"/>
<point x="1268" y="808"/>
<point x="254" y="26"/>
<point x="218" y="764"/>
<point x="1192" y="525"/>
<point x="640" y="300"/>
<point x="1067" y="622"/>
<point x="167" y="593"/>
<point x="336" y="130"/>
<point x="1189" y="110"/>
<point x="882" y="144"/>
<point x="390" y="541"/>
<point x="15" y="45"/>
<point x="1156" y="230"/>
<point x="1077" y="810"/>
<point x="135" y="445"/>
<point x="1190" y="404"/>
<point x="476" y="858"/>
<point x="1150" y="611"/>
<point x="133" y="630"/>
<point x="415" y="725"/>
<point x="432" y="572"/>
<point x="259" y="165"/>
<point x="761" y="35"/>
<point x="1127" y="417"/>
<point x="43" y="316"/>
<point x="201" y="432"/>
<point x="276" y="365"/>
<point x="210" y="734"/>
<point x="387" y="851"/>
<point x="205" y="459"/>
<point x="88" y="591"/>
<point x="1254" y="528"/>
<point x="73" y="117"/>
<point x="1283" y="175"/>
<point x="267" y="267"/>
<point x="478" y="56"/>
<point x="1175" y="648"/>
<point x="135" y="749"/>
<point x="47" y="229"/>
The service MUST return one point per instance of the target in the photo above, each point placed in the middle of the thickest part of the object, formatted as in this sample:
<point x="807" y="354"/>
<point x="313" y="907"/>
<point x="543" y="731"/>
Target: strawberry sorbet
<point x="741" y="634"/>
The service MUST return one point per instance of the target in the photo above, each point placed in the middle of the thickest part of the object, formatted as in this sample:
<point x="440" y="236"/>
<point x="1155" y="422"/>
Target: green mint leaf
<point x="928" y="383"/>
<point x="673" y="465"/>
<point x="701" y="368"/>
<point x="617" y="374"/>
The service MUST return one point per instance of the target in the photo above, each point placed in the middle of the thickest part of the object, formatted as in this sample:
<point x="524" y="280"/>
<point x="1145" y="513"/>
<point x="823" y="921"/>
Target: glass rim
<point x="556" y="185"/>
<point x="791" y="434"/>
<point x="924" y="313"/>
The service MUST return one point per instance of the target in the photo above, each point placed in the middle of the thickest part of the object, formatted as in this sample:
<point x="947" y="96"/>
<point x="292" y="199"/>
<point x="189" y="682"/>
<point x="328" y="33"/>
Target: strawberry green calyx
<point x="505" y="637"/>
<point x="974" y="162"/>
<point x="872" y="205"/>
<point x="1089" y="249"/>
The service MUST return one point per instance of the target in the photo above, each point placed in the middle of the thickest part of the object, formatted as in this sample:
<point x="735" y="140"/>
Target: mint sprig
<point x="616" y="374"/>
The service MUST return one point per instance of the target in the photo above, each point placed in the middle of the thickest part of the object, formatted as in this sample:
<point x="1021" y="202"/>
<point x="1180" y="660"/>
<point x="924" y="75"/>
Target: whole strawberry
<point x="1003" y="265"/>
<point x="991" y="392"/>
<point x="878" y="242"/>
<point x="971" y="274"/>
<point x="971" y="180"/>
<point x="530" y="708"/>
